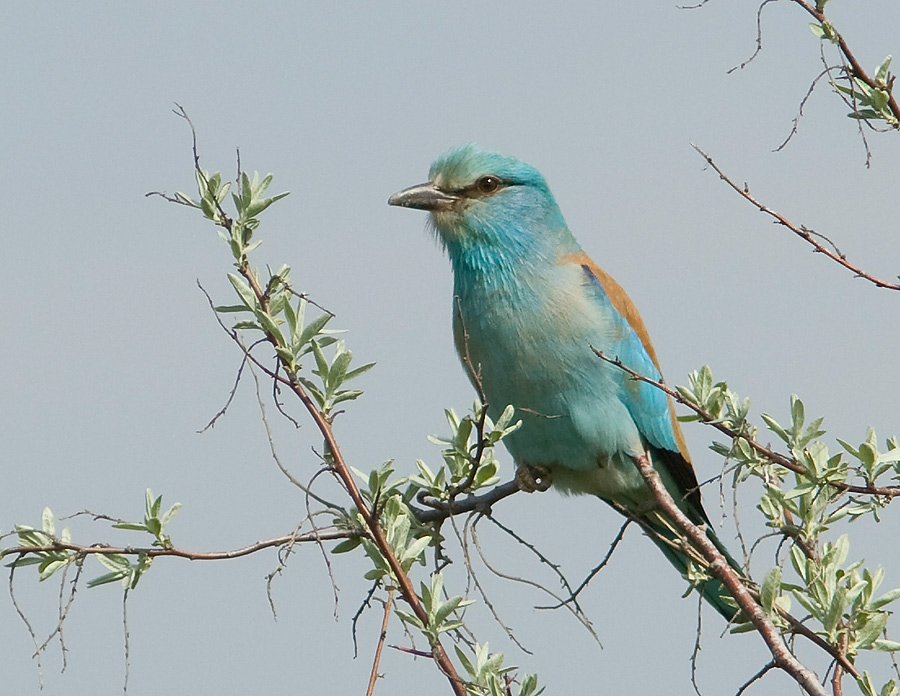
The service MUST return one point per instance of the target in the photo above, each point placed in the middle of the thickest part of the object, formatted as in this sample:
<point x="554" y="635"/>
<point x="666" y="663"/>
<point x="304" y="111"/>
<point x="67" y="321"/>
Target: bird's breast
<point x="528" y="343"/>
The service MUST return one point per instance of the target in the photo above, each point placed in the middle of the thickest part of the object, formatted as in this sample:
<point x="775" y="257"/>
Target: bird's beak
<point x="425" y="196"/>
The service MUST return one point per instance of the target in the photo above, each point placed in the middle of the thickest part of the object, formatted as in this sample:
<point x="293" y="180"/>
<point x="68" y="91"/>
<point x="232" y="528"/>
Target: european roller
<point x="529" y="307"/>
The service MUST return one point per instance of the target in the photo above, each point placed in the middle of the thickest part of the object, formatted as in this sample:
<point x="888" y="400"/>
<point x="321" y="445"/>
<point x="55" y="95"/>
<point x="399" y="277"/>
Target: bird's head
<point x="483" y="200"/>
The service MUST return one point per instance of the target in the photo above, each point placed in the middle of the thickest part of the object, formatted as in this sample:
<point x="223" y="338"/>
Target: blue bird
<point x="529" y="306"/>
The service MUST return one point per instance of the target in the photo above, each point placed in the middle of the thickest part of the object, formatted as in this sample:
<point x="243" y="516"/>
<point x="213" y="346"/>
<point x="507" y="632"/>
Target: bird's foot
<point x="531" y="478"/>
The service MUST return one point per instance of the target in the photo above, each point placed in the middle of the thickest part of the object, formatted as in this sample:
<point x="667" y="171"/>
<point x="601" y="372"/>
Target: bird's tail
<point x="680" y="551"/>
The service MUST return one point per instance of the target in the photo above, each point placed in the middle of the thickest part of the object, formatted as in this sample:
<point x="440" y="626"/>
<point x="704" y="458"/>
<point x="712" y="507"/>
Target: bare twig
<point x="756" y="52"/>
<point x="463" y="537"/>
<point x="373" y="677"/>
<point x="581" y="618"/>
<point x="795" y="124"/>
<point x="801" y="231"/>
<point x="766" y="668"/>
<point x="126" y="640"/>
<point x="573" y="594"/>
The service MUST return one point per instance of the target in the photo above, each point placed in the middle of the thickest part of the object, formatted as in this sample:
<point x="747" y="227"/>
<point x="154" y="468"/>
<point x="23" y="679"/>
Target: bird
<point x="530" y="308"/>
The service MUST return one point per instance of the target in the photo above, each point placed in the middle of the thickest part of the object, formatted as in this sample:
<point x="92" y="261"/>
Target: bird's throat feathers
<point x="504" y="220"/>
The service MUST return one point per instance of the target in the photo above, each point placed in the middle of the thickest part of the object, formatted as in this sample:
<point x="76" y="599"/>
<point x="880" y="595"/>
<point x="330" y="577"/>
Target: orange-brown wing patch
<point x="624" y="306"/>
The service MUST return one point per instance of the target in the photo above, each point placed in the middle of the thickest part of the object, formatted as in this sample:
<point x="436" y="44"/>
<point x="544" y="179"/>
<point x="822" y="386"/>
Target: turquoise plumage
<point x="529" y="306"/>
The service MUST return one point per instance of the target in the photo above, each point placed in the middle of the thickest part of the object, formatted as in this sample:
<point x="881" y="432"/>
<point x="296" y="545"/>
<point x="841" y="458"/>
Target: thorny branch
<point x="801" y="231"/>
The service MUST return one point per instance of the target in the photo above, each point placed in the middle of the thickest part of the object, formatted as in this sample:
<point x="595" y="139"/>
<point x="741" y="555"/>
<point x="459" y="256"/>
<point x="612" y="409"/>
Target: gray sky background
<point x="111" y="359"/>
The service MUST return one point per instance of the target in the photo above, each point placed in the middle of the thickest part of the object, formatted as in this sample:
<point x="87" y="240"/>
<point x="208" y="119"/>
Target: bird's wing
<point x="650" y="408"/>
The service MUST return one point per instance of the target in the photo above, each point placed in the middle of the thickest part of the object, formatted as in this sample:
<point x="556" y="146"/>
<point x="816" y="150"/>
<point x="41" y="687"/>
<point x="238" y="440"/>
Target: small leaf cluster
<point x="867" y="687"/>
<point x="249" y="202"/>
<point x="802" y="503"/>
<point x="842" y="598"/>
<point x="871" y="103"/>
<point x="443" y="615"/>
<point x="468" y="454"/>
<point x="278" y="312"/>
<point x="48" y="561"/>
<point x="488" y="676"/>
<point x="154" y="523"/>
<point x="407" y="538"/>
<point x="332" y="373"/>
<point x="120" y="567"/>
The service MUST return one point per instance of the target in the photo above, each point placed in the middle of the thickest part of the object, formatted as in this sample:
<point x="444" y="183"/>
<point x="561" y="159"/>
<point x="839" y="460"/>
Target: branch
<point x="762" y="450"/>
<point x="388" y="604"/>
<point x="801" y="231"/>
<point x="82" y="551"/>
<point x="338" y="464"/>
<point x="855" y="70"/>
<point x="718" y="566"/>
<point x="442" y="509"/>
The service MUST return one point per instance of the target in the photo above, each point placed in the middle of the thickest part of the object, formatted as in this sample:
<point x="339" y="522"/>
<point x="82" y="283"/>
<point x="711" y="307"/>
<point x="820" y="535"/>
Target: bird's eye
<point x="488" y="184"/>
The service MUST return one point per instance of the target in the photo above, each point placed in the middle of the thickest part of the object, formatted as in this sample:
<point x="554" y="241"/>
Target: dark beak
<point x="425" y="196"/>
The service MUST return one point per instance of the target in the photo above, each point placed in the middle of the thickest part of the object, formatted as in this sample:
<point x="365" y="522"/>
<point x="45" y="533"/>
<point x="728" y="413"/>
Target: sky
<point x="112" y="361"/>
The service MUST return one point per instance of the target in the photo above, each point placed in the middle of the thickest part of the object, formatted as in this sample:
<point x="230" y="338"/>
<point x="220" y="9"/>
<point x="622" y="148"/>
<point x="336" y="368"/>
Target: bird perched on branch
<point x="529" y="307"/>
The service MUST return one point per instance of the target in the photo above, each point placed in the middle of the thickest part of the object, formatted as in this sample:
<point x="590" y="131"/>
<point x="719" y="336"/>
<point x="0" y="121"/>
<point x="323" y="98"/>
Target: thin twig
<point x="525" y="581"/>
<point x="388" y="604"/>
<point x="573" y="594"/>
<point x="801" y="231"/>
<point x="442" y="509"/>
<point x="758" y="50"/>
<point x="463" y="537"/>
<point x="765" y="669"/>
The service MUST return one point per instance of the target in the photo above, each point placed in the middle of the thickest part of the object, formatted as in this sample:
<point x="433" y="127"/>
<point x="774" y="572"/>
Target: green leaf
<point x="775" y="428"/>
<point x="886" y="598"/>
<point x="770" y="589"/>
<point x="881" y="74"/>
<point x="356" y="372"/>
<point x="872" y="629"/>
<point x="45" y="571"/>
<point x="244" y="291"/>
<point x="170" y="513"/>
<point x="865" y="685"/>
<point x="885" y="645"/>
<point x="270" y="327"/>
<point x="409" y="618"/>
<point x="312" y="329"/>
<point x="225" y="309"/>
<point x="131" y="526"/>
<point x="114" y="561"/>
<point x="107" y="578"/>
<point x="48" y="525"/>
<point x="347" y="545"/>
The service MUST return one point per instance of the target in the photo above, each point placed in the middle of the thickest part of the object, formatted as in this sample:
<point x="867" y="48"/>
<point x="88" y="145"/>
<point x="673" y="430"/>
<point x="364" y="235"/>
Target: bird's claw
<point x="531" y="478"/>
